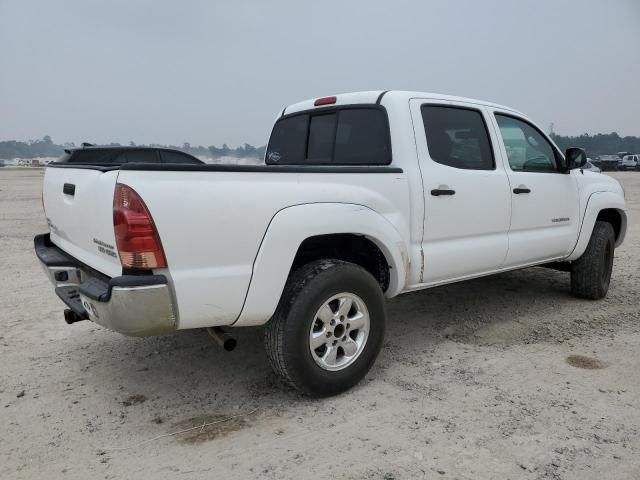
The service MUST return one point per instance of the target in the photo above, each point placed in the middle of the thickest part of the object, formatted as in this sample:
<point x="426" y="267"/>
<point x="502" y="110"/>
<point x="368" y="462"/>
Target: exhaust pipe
<point x="72" y="317"/>
<point x="222" y="338"/>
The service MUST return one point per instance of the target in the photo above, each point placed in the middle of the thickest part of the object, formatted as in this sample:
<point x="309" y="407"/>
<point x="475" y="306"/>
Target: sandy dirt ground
<point x="477" y="380"/>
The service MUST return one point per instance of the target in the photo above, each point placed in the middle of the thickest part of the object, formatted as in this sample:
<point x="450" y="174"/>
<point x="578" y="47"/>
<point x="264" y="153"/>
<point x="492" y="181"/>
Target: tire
<point x="288" y="334"/>
<point x="591" y="273"/>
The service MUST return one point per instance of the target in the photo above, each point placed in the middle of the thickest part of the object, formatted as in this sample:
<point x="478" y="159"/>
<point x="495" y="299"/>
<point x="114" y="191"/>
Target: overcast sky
<point x="213" y="72"/>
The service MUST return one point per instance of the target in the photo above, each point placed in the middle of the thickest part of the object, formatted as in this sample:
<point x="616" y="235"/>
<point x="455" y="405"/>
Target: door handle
<point x="69" y="189"/>
<point x="521" y="190"/>
<point x="436" y="192"/>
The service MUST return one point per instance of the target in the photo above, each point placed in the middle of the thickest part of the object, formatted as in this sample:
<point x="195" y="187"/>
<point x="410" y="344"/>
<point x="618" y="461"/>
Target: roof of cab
<point x="388" y="97"/>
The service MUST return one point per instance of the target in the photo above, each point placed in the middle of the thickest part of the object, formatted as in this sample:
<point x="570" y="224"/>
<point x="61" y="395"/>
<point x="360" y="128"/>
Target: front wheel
<point x="591" y="273"/>
<point x="328" y="328"/>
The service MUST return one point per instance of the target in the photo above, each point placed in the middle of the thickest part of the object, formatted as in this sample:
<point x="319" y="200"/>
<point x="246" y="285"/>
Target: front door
<point x="544" y="199"/>
<point x="466" y="191"/>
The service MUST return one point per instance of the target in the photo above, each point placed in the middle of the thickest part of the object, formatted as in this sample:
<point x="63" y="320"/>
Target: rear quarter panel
<point x="211" y="225"/>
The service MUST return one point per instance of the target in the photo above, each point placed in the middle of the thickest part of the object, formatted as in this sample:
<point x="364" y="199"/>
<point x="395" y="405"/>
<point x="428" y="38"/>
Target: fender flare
<point x="287" y="230"/>
<point x="597" y="202"/>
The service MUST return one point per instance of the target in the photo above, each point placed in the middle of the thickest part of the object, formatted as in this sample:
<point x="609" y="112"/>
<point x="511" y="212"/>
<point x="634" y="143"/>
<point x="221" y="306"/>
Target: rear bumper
<point x="137" y="305"/>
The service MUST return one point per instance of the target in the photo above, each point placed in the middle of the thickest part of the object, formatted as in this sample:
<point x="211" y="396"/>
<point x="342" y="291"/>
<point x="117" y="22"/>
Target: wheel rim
<point x="339" y="331"/>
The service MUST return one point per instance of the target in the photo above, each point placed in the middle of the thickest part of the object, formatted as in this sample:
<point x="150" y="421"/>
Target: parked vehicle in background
<point x="362" y="196"/>
<point x="93" y="155"/>
<point x="630" y="162"/>
<point x="609" y="162"/>
<point x="590" y="166"/>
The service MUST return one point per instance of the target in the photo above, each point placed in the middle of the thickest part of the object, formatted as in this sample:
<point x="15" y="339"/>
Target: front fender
<point x="597" y="202"/>
<point x="291" y="226"/>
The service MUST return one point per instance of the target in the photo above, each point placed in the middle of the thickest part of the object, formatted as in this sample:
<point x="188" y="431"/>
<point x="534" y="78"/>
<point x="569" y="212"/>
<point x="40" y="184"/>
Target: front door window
<point x="527" y="150"/>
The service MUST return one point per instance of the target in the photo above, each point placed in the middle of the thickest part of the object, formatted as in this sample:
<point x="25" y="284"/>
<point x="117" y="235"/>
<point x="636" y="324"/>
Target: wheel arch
<point x="618" y="220"/>
<point x="348" y="247"/>
<point x="324" y="227"/>
<point x="601" y="206"/>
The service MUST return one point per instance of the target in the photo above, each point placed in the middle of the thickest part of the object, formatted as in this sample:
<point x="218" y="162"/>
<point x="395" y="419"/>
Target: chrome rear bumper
<point x="137" y="305"/>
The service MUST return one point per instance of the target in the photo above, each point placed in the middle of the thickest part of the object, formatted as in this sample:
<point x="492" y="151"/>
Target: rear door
<point x="467" y="201"/>
<point x="544" y="199"/>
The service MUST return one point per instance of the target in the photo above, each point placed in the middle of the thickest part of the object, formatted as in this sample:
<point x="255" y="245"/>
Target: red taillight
<point x="136" y="236"/>
<point x="324" y="101"/>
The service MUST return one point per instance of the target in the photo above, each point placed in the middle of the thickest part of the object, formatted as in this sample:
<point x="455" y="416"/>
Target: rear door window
<point x="340" y="136"/>
<point x="457" y="137"/>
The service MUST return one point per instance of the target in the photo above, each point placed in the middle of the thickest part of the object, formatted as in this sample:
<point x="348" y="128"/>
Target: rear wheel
<point x="328" y="328"/>
<point x="591" y="273"/>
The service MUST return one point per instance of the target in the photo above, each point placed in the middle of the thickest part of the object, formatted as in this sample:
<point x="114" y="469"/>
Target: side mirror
<point x="575" y="158"/>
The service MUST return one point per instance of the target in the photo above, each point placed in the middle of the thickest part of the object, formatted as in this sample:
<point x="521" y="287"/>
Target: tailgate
<point x="78" y="204"/>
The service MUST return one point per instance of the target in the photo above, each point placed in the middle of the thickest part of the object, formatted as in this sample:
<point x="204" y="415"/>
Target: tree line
<point x="598" y="144"/>
<point x="45" y="147"/>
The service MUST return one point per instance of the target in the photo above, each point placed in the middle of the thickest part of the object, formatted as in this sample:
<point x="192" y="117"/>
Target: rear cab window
<point x="344" y="135"/>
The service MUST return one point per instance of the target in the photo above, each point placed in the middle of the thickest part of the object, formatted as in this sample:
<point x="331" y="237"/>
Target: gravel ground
<point x="501" y="377"/>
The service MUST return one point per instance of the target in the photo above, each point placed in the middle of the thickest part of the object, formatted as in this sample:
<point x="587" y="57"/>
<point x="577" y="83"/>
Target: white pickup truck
<point x="362" y="196"/>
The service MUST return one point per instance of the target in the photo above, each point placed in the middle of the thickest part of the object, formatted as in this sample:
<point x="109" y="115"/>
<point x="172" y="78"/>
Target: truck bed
<point x="211" y="219"/>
